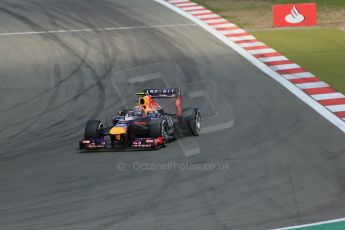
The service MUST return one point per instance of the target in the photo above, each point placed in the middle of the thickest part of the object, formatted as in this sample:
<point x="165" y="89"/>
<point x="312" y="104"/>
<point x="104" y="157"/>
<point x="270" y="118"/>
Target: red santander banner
<point x="289" y="15"/>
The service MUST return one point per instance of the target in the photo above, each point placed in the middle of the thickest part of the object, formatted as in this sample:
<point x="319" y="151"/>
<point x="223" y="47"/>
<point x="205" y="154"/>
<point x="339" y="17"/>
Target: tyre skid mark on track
<point x="51" y="108"/>
<point x="77" y="72"/>
<point x="211" y="210"/>
<point x="108" y="68"/>
<point x="78" y="67"/>
<point x="55" y="92"/>
<point x="97" y="78"/>
<point x="253" y="182"/>
<point x="149" y="203"/>
<point x="298" y="213"/>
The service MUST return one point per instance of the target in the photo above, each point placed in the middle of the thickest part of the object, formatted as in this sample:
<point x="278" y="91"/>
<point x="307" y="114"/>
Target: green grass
<point x="320" y="3"/>
<point x="320" y="51"/>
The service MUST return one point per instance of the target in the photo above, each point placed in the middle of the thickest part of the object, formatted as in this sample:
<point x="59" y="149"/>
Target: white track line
<point x="285" y="66"/>
<point x="298" y="75"/>
<point x="252" y="44"/>
<point x="208" y="16"/>
<point x="178" y="1"/>
<point x="312" y="85"/>
<point x="276" y="58"/>
<point x="186" y="4"/>
<point x="215" y="20"/>
<point x="313" y="224"/>
<point x="328" y="96"/>
<point x="224" y="25"/>
<point x="194" y="8"/>
<point x="201" y="12"/>
<point x="284" y="82"/>
<point x="92" y="30"/>
<point x="239" y="31"/>
<point x="242" y="38"/>
<point x="262" y="51"/>
<point x="336" y="108"/>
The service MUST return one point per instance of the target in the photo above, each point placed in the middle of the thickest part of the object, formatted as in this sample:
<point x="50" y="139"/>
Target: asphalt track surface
<point x="287" y="163"/>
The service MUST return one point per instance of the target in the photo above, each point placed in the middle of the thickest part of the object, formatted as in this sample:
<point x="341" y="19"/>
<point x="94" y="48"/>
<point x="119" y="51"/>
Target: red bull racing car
<point x="146" y="126"/>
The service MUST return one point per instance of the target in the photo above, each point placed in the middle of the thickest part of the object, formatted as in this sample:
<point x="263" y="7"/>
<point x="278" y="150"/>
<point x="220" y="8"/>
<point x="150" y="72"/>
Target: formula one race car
<point x="146" y="126"/>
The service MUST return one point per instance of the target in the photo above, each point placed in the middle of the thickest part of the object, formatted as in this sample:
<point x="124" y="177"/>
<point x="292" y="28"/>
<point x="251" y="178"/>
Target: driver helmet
<point x="131" y="115"/>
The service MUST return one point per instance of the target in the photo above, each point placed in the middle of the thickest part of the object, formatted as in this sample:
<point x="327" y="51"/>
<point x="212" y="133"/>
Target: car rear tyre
<point x="192" y="117"/>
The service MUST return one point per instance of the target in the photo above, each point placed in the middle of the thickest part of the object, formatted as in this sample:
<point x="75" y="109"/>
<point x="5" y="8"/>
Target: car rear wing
<point x="165" y="93"/>
<point x="160" y="93"/>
